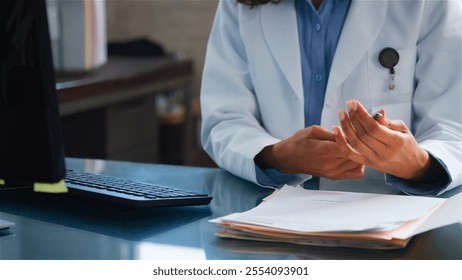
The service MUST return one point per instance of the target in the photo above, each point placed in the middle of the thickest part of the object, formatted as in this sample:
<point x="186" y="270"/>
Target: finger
<point x="349" y="169"/>
<point x="343" y="168"/>
<point x="347" y="150"/>
<point x="347" y="129"/>
<point x="315" y="132"/>
<point x="321" y="133"/>
<point x="355" y="172"/>
<point x="337" y="168"/>
<point x="355" y="141"/>
<point x="398" y="125"/>
<point x="368" y="129"/>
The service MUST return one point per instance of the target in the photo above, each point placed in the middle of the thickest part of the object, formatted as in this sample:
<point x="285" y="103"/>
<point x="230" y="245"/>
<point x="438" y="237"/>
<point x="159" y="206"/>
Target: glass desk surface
<point x="61" y="227"/>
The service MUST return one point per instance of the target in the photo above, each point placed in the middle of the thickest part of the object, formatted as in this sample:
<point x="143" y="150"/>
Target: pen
<point x="377" y="115"/>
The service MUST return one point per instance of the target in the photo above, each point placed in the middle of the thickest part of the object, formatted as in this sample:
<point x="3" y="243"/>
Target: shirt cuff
<point x="272" y="177"/>
<point x="425" y="188"/>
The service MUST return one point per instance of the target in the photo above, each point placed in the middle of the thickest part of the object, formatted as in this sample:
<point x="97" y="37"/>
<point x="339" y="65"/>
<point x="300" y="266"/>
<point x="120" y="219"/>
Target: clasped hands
<point x="385" y="145"/>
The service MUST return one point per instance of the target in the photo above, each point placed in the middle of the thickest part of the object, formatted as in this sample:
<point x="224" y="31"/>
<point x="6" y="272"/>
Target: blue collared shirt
<point x="319" y="32"/>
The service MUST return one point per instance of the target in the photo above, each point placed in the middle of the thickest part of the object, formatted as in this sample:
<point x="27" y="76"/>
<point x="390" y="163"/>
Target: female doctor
<point x="289" y="87"/>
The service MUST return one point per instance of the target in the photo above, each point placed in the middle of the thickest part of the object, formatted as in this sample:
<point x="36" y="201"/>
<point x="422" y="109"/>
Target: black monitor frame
<point x="31" y="147"/>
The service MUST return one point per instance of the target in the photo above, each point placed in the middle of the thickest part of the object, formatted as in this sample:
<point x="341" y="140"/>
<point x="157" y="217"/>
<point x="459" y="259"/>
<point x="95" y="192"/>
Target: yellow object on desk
<point x="59" y="187"/>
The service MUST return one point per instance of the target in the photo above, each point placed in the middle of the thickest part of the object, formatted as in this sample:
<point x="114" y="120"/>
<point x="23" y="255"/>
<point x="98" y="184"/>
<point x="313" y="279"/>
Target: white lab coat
<point x="252" y="92"/>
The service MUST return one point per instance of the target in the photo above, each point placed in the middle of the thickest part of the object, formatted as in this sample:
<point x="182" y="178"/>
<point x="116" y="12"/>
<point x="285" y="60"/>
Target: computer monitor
<point x="31" y="148"/>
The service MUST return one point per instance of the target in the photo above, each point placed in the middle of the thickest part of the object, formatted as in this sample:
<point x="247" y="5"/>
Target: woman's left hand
<point x="385" y="145"/>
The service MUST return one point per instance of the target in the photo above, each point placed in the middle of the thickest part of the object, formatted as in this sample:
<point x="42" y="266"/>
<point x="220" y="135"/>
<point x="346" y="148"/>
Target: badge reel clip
<point x="389" y="58"/>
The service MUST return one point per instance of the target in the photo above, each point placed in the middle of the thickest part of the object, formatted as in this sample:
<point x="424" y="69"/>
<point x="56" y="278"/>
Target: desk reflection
<point x="232" y="194"/>
<point x="57" y="227"/>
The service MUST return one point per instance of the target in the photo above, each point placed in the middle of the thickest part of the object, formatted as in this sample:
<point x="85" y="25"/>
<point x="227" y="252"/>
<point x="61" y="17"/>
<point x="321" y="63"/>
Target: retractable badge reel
<point x="389" y="58"/>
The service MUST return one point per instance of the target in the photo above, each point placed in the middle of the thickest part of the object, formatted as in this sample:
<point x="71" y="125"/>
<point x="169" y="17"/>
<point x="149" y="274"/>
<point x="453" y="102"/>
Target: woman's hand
<point x="385" y="145"/>
<point x="311" y="151"/>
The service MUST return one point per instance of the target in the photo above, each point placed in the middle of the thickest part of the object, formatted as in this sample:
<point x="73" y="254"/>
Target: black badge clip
<point x="389" y="58"/>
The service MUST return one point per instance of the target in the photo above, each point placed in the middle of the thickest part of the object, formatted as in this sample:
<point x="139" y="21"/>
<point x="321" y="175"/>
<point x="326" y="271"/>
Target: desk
<point x="57" y="227"/>
<point x="110" y="112"/>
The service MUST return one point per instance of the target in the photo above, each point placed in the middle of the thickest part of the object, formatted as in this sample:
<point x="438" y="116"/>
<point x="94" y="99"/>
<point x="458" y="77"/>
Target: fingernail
<point x="335" y="131"/>
<point x="352" y="105"/>
<point x="349" y="106"/>
<point x="341" y="115"/>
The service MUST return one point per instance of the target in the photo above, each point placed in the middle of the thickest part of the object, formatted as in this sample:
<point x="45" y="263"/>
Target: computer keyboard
<point x="128" y="192"/>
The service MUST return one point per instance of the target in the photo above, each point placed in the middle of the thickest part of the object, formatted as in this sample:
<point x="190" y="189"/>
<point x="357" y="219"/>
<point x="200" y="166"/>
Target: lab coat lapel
<point x="279" y="25"/>
<point x="362" y="25"/>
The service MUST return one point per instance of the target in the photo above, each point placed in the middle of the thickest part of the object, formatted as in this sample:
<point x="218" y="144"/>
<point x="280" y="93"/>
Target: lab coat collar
<point x="362" y="25"/>
<point x="279" y="24"/>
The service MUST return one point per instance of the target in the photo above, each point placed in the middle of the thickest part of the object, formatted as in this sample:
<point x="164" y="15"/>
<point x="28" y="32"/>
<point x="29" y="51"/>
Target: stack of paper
<point x="341" y="219"/>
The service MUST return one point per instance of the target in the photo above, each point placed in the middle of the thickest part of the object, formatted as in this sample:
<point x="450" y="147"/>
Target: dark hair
<point x="253" y="3"/>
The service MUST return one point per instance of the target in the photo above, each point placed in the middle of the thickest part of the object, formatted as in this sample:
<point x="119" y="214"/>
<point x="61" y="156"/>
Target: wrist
<point x="433" y="171"/>
<point x="423" y="165"/>
<point x="265" y="158"/>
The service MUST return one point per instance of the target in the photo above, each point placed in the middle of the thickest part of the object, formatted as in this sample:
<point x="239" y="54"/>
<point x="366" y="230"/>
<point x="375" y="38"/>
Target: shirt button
<point x="317" y="26"/>
<point x="318" y="77"/>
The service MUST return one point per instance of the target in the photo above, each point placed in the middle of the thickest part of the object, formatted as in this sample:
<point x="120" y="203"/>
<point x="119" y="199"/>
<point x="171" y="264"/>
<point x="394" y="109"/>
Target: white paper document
<point x="300" y="210"/>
